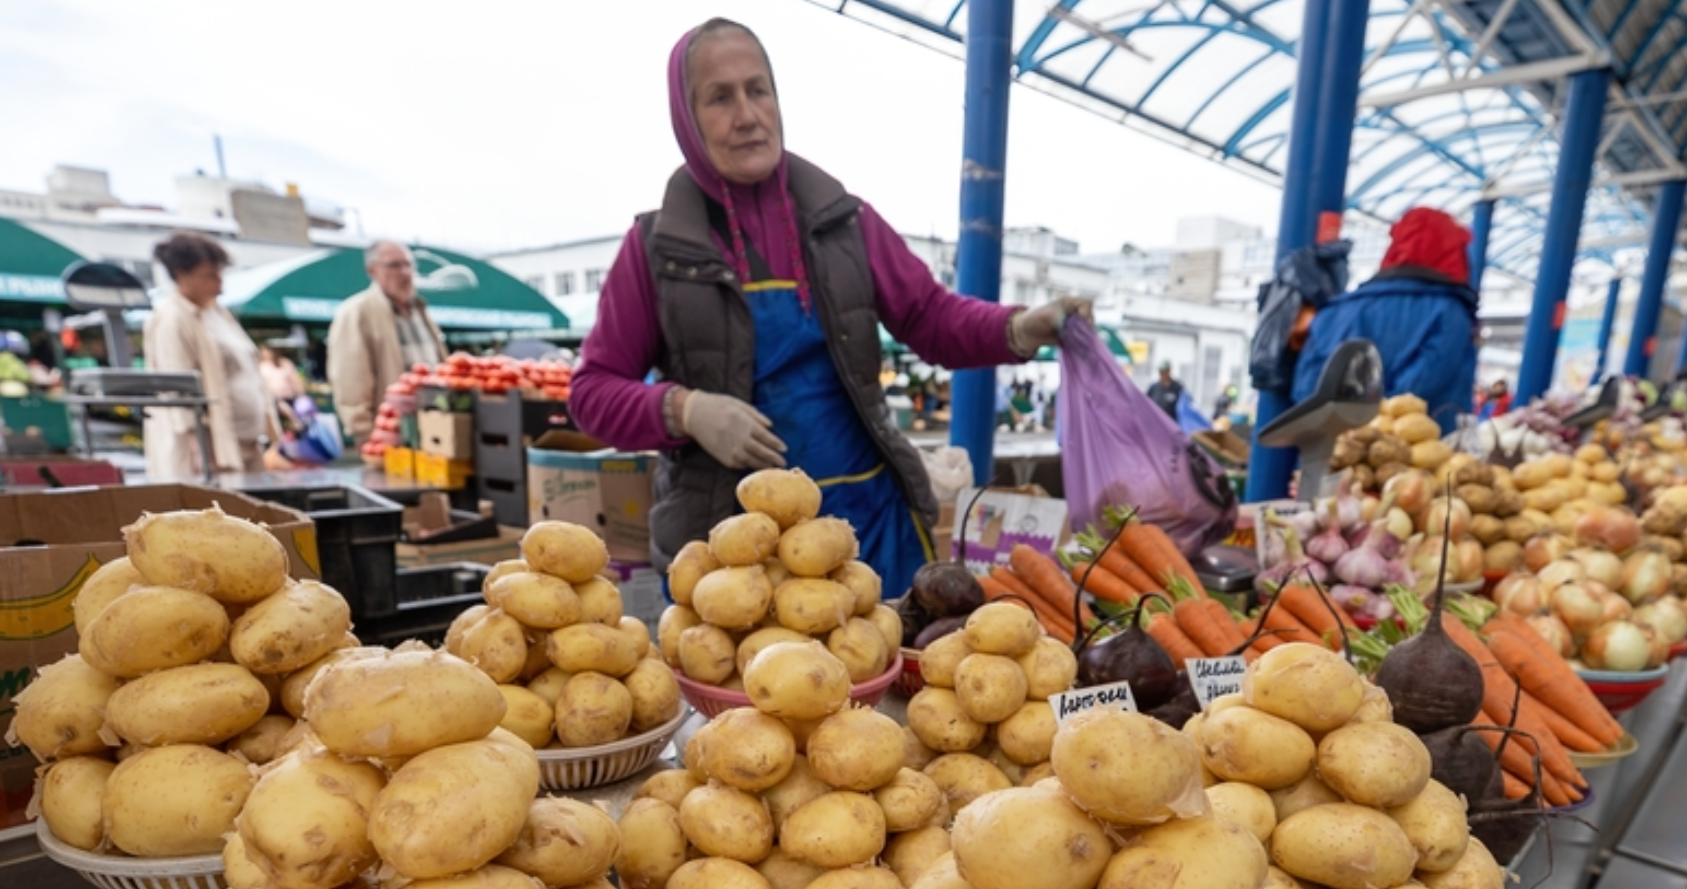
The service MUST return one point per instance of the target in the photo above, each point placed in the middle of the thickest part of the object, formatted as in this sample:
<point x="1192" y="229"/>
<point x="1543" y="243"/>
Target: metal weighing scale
<point x="110" y="290"/>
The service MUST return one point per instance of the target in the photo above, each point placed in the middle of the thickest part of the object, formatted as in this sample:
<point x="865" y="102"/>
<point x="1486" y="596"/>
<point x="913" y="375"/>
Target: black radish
<point x="1461" y="761"/>
<point x="1181" y="708"/>
<point x="1431" y="682"/>
<point x="1130" y="655"/>
<point x="914" y="619"/>
<point x="947" y="589"/>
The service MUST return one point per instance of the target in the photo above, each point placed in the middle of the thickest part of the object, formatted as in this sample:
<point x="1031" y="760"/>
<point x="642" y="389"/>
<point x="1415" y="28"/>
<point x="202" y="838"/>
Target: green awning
<point x="463" y="293"/>
<point x="30" y="265"/>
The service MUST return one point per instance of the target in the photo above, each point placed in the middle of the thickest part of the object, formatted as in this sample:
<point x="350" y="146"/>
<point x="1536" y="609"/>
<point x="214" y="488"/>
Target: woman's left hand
<point x="274" y="462"/>
<point x="1040" y="326"/>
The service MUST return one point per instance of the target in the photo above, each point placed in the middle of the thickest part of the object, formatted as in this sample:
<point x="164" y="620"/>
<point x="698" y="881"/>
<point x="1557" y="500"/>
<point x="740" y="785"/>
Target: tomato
<point x="420" y="369"/>
<point x="459" y="384"/>
<point x="495" y="387"/>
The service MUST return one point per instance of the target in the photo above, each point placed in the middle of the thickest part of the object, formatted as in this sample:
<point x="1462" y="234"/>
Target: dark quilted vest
<point x="708" y="342"/>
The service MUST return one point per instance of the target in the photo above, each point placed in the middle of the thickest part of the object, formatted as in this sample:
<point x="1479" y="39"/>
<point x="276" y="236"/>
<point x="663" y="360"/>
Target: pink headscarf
<point x="774" y="243"/>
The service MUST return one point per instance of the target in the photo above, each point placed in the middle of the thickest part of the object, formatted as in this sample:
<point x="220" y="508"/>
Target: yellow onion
<point x="1554" y="632"/>
<point x="1467" y="560"/>
<point x="1616" y="607"/>
<point x="1646" y="576"/>
<point x="1412" y="491"/>
<point x="1561" y="572"/>
<point x="1657" y="647"/>
<point x="1612" y="527"/>
<point x="1578" y="607"/>
<point x="1619" y="646"/>
<point x="1667" y="615"/>
<point x="1448" y="516"/>
<point x="1520" y="594"/>
<point x="1601" y="564"/>
<point x="1543" y="549"/>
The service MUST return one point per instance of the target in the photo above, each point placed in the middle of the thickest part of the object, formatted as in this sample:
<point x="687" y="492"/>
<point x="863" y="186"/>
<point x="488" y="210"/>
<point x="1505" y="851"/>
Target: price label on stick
<point x="1215" y="677"/>
<point x="1113" y="696"/>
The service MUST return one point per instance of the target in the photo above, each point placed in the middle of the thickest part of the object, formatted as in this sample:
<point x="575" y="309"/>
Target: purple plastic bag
<point x="1119" y="449"/>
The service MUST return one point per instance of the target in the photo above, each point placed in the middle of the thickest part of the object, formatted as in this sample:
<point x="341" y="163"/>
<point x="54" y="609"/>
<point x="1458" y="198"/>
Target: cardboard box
<point x="82" y="529"/>
<point x="441" y="472"/>
<point x="490" y="551"/>
<point x="57" y="471"/>
<point x="400" y="463"/>
<point x="573" y="478"/>
<point x="1001" y="519"/>
<point x="447" y="435"/>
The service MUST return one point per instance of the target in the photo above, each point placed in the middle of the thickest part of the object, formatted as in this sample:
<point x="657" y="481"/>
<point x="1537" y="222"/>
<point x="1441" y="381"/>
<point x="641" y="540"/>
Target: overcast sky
<point x="493" y="125"/>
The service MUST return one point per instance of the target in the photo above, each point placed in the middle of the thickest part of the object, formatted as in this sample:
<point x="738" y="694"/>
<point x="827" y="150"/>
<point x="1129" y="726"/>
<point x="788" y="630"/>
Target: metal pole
<point x="1607" y="321"/>
<point x="978" y="252"/>
<point x="1314" y="178"/>
<point x="1665" y="224"/>
<point x="1481" y="225"/>
<point x="1578" y="138"/>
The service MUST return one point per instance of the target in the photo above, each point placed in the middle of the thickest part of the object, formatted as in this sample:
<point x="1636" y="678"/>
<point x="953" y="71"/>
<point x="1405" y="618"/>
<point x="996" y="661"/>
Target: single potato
<point x="72" y="792"/>
<point x="909" y="801"/>
<point x="593" y="647"/>
<point x="1308" y="685"/>
<point x="566" y="550"/>
<point x="798" y="786"/>
<point x="1129" y="769"/>
<point x="288" y="630"/>
<point x="402" y="704"/>
<point x="942" y="657"/>
<point x="889" y="625"/>
<point x="653" y="844"/>
<point x="261" y="743"/>
<point x="1002" y="628"/>
<point x="1376" y="764"/>
<point x="861" y="647"/>
<point x="856" y="749"/>
<point x="1196" y="853"/>
<point x="175" y="800"/>
<point x="294" y="684"/>
<point x="964" y="777"/>
<point x="537" y="600"/>
<point x="564" y="842"/>
<point x="1343" y="846"/>
<point x="196" y="704"/>
<point x="154" y="628"/>
<point x="1027" y="737"/>
<point x="527" y="715"/>
<point x="1050" y="668"/>
<point x="1252" y="746"/>
<point x="706" y="653"/>
<point x="746" y="539"/>
<point x="600" y="603"/>
<point x="817" y="547"/>
<point x="762" y="638"/>
<point x="113" y="579"/>
<point x="860" y="578"/>
<point x="594" y="709"/>
<point x="208" y="551"/>
<point x="726" y="822"/>
<point x="797" y="680"/>
<point x="940" y="722"/>
<point x="1005" y="836"/>
<point x="788" y="496"/>
<point x="655" y="693"/>
<point x="690" y="564"/>
<point x="909" y="854"/>
<point x="307" y="820"/>
<point x="990" y="687"/>
<point x="837" y="829"/>
<point x="735" y="598"/>
<point x="749" y="750"/>
<point x="812" y="605"/>
<point x="669" y="786"/>
<point x="491" y="640"/>
<point x="61" y="713"/>
<point x="454" y="808"/>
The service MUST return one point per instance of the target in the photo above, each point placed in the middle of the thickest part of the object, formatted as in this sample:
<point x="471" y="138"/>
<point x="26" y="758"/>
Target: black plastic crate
<point x="356" y="532"/>
<point x="516" y="419"/>
<point x="508" y="496"/>
<point x="435" y="595"/>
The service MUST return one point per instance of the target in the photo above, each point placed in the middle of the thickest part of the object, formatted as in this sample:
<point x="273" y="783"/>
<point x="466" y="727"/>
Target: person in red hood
<point x="756" y="293"/>
<point x="1419" y="310"/>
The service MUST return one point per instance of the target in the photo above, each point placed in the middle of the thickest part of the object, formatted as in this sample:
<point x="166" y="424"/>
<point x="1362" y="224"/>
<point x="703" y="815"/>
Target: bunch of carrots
<point x="1142" y="559"/>
<point x="1555" y="706"/>
<point x="1036" y="581"/>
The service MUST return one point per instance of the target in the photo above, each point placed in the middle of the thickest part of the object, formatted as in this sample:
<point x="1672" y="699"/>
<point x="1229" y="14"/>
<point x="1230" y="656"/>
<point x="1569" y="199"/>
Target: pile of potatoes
<point x="1402" y="437"/>
<point x="983" y="722"/>
<point x="183" y="645"/>
<point x="217" y="707"/>
<point x="799" y="790"/>
<point x="1300" y="779"/>
<point x="574" y="670"/>
<point x="778" y="572"/>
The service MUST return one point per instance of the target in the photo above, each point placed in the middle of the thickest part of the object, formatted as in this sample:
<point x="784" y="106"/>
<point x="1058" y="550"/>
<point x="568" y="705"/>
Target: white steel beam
<point x="1638" y="179"/>
<point x="1513" y="75"/>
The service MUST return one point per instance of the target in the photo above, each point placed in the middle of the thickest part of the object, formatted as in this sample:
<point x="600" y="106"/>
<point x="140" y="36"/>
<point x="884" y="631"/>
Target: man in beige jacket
<point x="377" y="335"/>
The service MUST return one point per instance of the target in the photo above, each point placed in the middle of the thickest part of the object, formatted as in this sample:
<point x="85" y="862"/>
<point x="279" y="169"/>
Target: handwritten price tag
<point x="1115" y="696"/>
<point x="1215" y="677"/>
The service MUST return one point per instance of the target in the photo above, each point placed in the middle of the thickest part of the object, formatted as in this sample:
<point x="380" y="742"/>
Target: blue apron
<point x="797" y="387"/>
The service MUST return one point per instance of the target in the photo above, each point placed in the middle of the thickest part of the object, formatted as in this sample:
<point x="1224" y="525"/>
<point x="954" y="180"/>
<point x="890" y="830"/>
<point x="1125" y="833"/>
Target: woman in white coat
<point x="189" y="330"/>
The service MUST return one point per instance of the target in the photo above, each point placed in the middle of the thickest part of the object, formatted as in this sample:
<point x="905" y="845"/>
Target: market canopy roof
<point x="30" y="265"/>
<point x="1458" y="102"/>
<point x="463" y="293"/>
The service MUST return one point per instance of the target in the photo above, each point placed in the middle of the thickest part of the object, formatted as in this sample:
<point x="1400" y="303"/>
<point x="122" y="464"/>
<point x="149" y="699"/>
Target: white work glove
<point x="1038" y="327"/>
<point x="731" y="431"/>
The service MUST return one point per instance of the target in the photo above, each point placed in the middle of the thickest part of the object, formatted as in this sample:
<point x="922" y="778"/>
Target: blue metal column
<point x="1326" y="91"/>
<point x="1584" y="111"/>
<point x="978" y="252"/>
<point x="1665" y="226"/>
<point x="1481" y="224"/>
<point x="1607" y="321"/>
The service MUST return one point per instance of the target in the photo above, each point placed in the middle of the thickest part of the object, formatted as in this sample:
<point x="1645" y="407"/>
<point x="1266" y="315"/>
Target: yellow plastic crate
<point x="400" y="462"/>
<point x="442" y="473"/>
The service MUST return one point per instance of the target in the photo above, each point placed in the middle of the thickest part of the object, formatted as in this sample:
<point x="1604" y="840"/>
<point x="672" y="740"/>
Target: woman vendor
<point x="756" y="292"/>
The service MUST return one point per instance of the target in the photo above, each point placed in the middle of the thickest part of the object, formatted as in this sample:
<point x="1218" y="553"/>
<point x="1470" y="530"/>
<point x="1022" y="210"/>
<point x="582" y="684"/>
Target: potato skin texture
<point x="402" y="704"/>
<point x="455" y="808"/>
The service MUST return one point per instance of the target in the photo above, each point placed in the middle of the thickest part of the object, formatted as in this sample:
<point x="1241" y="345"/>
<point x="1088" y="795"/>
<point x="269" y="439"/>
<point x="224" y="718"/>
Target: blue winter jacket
<point x="1425" y="330"/>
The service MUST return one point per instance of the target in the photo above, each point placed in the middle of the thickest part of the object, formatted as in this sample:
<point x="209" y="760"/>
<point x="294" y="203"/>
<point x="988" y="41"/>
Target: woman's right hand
<point x="733" y="432"/>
